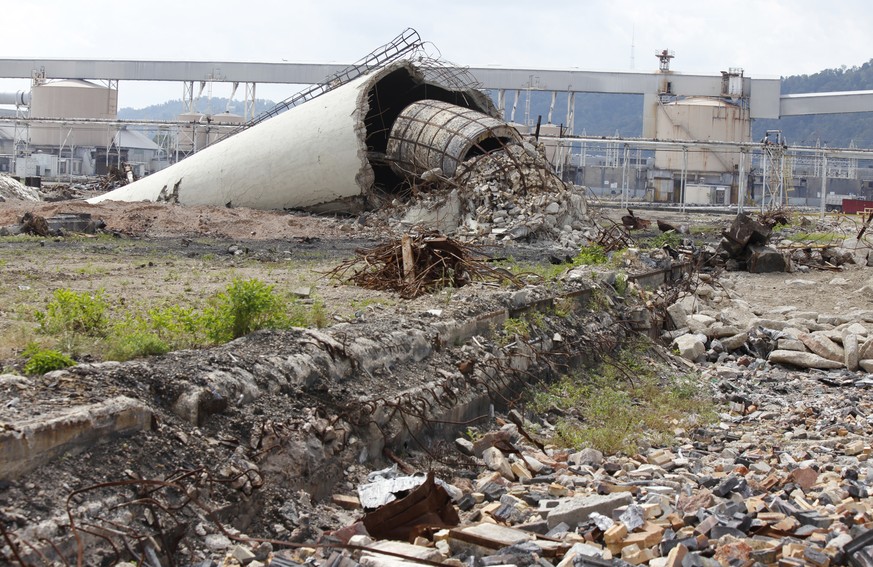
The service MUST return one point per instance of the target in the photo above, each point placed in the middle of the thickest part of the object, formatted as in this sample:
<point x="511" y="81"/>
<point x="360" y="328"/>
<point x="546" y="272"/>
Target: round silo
<point x="72" y="99"/>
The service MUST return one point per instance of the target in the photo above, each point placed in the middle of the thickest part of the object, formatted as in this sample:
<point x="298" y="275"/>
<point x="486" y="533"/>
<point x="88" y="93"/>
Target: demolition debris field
<point x="226" y="446"/>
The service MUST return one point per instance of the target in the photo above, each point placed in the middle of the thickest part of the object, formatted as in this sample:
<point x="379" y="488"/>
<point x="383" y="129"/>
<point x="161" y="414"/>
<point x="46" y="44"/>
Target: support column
<point x="250" y="101"/>
<point x="684" y="176"/>
<point x="824" y="185"/>
<point x="741" y="182"/>
<point x="552" y="107"/>
<point x="188" y="96"/>
<point x="624" y="180"/>
<point x="571" y="112"/>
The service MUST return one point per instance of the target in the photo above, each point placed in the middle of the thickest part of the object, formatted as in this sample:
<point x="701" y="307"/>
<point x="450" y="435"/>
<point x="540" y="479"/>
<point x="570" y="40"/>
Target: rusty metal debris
<point x="418" y="264"/>
<point x="57" y="225"/>
<point x="427" y="507"/>
<point x="633" y="222"/>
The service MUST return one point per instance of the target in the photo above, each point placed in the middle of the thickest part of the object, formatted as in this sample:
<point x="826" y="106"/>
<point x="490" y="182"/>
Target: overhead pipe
<point x="19" y="98"/>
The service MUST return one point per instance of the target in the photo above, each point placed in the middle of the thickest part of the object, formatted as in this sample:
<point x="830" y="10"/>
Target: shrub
<point x="41" y="361"/>
<point x="75" y="312"/>
<point x="245" y="307"/>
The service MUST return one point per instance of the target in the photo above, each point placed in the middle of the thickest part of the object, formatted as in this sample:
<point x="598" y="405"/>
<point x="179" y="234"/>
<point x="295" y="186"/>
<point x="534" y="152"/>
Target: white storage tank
<point x="706" y="119"/>
<point x="72" y="99"/>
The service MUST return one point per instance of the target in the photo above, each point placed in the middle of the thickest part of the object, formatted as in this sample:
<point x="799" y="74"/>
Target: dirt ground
<point x="153" y="254"/>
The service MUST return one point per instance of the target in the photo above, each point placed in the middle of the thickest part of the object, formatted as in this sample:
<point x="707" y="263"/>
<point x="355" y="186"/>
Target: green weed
<point x="40" y="361"/>
<point x="513" y="327"/>
<point x="590" y="256"/>
<point x="623" y="403"/>
<point x="245" y="307"/>
<point x="158" y="331"/>
<point x="621" y="284"/>
<point x="75" y="312"/>
<point x="670" y="238"/>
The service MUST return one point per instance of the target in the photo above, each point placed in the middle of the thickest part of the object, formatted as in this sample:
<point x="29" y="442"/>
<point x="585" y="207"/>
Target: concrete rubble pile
<point x="12" y="189"/>
<point x="58" y="225"/>
<point x="508" y="194"/>
<point x="714" y="325"/>
<point x="782" y="478"/>
<point x="746" y="245"/>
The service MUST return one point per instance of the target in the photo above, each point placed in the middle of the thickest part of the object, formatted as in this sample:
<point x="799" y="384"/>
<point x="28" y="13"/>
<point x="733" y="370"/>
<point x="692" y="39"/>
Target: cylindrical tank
<point x="186" y="137"/>
<point x="431" y="134"/>
<point x="72" y="99"/>
<point x="208" y="132"/>
<point x="19" y="98"/>
<point x="706" y="119"/>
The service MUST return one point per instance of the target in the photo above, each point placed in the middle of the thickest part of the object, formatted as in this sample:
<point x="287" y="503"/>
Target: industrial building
<point x="697" y="146"/>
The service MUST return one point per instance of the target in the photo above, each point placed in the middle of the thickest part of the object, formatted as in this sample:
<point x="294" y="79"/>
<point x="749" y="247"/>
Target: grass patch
<point x="670" y="238"/>
<point x="90" y="269"/>
<point x="360" y="304"/>
<point x="623" y="404"/>
<point x="592" y="255"/>
<point x="81" y="322"/>
<point x="815" y="237"/>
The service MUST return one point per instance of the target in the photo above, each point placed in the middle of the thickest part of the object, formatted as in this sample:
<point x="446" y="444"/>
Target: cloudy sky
<point x="765" y="37"/>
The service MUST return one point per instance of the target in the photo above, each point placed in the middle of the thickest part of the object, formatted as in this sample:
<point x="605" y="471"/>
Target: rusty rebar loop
<point x="11" y="544"/>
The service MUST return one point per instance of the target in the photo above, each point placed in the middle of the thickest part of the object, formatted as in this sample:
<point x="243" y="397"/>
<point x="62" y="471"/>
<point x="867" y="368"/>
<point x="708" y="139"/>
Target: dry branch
<point x="418" y="264"/>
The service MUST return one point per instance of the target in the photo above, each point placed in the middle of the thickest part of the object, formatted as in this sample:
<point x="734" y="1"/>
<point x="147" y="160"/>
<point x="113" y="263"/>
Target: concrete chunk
<point x="766" y="259"/>
<point x="803" y="359"/>
<point x="734" y="342"/>
<point x="851" y="350"/>
<point x="33" y="442"/>
<point x="575" y="510"/>
<point x="823" y="346"/>
<point x="691" y="347"/>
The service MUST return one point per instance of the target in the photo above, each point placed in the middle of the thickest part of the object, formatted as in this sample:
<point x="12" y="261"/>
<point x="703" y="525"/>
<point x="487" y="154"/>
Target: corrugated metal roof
<point x="132" y="139"/>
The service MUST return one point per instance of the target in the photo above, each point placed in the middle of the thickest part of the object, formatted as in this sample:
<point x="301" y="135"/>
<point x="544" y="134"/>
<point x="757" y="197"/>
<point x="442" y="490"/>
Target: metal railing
<point x="405" y="43"/>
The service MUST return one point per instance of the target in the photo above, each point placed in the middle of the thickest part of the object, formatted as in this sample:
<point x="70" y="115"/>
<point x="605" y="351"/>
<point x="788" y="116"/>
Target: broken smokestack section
<point x="329" y="154"/>
<point x="431" y="134"/>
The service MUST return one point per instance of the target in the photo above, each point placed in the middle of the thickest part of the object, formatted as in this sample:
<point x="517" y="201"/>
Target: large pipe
<point x="19" y="98"/>
<point x="324" y="155"/>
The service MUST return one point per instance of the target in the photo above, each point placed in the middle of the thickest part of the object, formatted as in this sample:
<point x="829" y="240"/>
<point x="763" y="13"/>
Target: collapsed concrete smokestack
<point x="326" y="155"/>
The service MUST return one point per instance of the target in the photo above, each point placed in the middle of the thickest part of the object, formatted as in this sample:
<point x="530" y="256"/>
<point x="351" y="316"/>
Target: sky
<point x="767" y="38"/>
